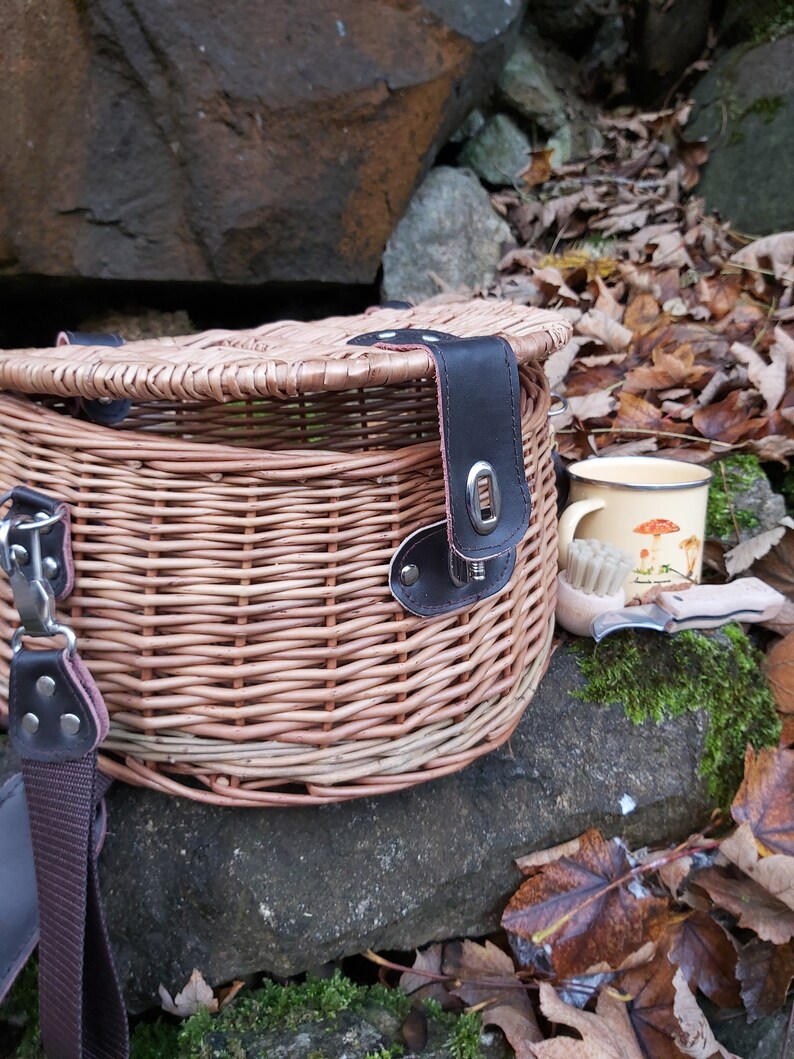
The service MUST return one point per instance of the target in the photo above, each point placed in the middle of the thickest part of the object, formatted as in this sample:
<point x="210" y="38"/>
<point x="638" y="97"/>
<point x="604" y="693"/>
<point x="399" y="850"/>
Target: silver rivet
<point x="386" y="334"/>
<point x="70" y="723"/>
<point x="45" y="686"/>
<point x="30" y="723"/>
<point x="44" y="516"/>
<point x="409" y="574"/>
<point x="50" y="567"/>
<point x="477" y="570"/>
<point x="20" y="555"/>
<point x="430" y="338"/>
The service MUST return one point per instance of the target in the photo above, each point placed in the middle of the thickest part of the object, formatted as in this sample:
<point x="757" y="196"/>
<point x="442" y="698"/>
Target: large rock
<point x="745" y="106"/>
<point x="498" y="151"/>
<point x="232" y="891"/>
<point x="247" y="143"/>
<point x="450" y="237"/>
<point x="671" y="36"/>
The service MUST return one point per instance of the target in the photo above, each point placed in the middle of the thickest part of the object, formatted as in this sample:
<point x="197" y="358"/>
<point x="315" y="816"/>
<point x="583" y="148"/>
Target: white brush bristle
<point x="597" y="568"/>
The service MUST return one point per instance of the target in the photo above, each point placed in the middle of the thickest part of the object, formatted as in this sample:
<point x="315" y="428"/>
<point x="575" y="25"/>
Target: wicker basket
<point x="232" y="539"/>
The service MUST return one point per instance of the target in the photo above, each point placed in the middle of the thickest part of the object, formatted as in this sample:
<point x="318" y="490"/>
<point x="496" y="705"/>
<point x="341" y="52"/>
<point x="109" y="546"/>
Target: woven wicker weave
<point x="232" y="552"/>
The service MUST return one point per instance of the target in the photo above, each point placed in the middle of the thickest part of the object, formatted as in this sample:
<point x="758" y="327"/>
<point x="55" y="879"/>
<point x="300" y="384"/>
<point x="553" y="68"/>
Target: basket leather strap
<point x="450" y="566"/>
<point x="56" y="720"/>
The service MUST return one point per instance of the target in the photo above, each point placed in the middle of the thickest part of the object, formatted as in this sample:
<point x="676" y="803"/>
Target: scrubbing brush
<point x="592" y="584"/>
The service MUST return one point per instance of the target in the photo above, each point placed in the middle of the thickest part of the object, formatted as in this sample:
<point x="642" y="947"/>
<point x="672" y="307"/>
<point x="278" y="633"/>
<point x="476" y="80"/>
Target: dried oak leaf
<point x="195" y="996"/>
<point x="728" y="420"/>
<point x="765" y="972"/>
<point x="777" y="566"/>
<point x="775" y="252"/>
<point x="603" y="922"/>
<point x="488" y="981"/>
<point x="779" y="669"/>
<point x="765" y="798"/>
<point x="606" y="1034"/>
<point x="635" y="413"/>
<point x="746" y="553"/>
<point x="539" y="169"/>
<point x="706" y="954"/>
<point x="774" y="872"/>
<point x="668" y="370"/>
<point x="754" y="907"/>
<point x="768" y="377"/>
<point x="598" y="325"/>
<point x="641" y="312"/>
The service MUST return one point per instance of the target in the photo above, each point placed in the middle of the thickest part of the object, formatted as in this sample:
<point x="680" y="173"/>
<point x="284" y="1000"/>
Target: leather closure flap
<point x="55" y="710"/>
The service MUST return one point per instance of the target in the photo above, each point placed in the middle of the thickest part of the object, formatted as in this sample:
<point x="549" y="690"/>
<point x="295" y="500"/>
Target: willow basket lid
<point x="277" y="360"/>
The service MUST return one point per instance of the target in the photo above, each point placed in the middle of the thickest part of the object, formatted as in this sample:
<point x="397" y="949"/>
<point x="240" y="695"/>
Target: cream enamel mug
<point x="652" y="508"/>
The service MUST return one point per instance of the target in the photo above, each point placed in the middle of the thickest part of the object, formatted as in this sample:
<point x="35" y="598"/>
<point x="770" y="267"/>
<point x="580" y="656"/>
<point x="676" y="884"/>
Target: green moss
<point x="778" y="23"/>
<point x="719" y="673"/>
<point x="732" y="476"/>
<point x="154" y="1040"/>
<point x="394" y="1052"/>
<point x="463" y="1031"/>
<point x="20" y="1014"/>
<point x="766" y="107"/>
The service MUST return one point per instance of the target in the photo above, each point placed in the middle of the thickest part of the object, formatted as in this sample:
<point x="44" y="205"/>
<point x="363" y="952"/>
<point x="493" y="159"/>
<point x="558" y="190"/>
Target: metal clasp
<point x="34" y="598"/>
<point x="483" y="497"/>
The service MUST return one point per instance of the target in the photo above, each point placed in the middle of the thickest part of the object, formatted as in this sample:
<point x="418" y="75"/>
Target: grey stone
<point x="768" y="506"/>
<point x="498" y="151"/>
<point x="526" y="85"/>
<point x="672" y="35"/>
<point x="569" y="23"/>
<point x="280" y="142"/>
<point x="233" y="891"/>
<point x="762" y="1039"/>
<point x="450" y="230"/>
<point x="349" y="1035"/>
<point x="745" y="107"/>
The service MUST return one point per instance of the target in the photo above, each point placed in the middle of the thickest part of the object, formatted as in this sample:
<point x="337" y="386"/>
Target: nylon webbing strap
<point x="81" y="1006"/>
<point x="56" y="720"/>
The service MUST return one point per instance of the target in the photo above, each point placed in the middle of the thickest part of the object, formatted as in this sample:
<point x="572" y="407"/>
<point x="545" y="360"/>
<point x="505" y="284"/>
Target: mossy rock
<point x="718" y="673"/>
<point x="745" y="108"/>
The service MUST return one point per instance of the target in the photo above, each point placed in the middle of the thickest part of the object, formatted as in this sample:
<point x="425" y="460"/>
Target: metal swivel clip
<point x="34" y="598"/>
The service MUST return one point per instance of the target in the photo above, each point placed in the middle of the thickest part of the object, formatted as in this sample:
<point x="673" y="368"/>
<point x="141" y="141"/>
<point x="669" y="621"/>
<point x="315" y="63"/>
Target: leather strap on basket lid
<point x="452" y="565"/>
<point x="57" y="719"/>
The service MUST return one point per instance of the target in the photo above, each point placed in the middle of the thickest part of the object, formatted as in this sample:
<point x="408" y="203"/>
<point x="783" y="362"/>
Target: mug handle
<point x="569" y="520"/>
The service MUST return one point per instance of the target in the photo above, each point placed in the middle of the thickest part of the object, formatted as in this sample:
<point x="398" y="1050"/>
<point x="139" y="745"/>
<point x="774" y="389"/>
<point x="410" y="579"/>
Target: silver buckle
<point x="34" y="598"/>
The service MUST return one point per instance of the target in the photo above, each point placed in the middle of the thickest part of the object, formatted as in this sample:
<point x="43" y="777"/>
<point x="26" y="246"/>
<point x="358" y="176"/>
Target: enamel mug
<point x="652" y="508"/>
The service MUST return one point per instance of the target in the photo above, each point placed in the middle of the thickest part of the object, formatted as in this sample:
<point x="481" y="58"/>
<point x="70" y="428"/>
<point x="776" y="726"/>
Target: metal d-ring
<point x="562" y="407"/>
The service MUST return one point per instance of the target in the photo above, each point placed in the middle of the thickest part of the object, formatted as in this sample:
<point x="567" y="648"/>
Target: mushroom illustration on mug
<point x="691" y="546"/>
<point x="654" y="527"/>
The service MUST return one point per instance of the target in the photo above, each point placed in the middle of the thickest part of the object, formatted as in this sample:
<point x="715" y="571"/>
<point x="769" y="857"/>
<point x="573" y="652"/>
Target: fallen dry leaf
<point x="606" y="1034"/>
<point x="539" y="169"/>
<point x="695" y="1038"/>
<point x="195" y="996"/>
<point x="752" y="905"/>
<point x="573" y="913"/>
<point x="765" y="799"/>
<point x="773" y="252"/>
<point x="598" y="325"/>
<point x="546" y="856"/>
<point x="746" y="553"/>
<point x="768" y="377"/>
<point x="765" y="972"/>
<point x="777" y="566"/>
<point x="706" y="955"/>
<point x="416" y="984"/>
<point x="774" y="872"/>
<point x="779" y="668"/>
<point x="488" y="983"/>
